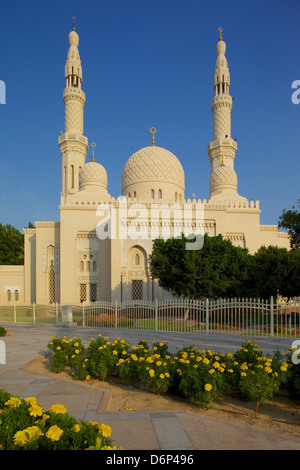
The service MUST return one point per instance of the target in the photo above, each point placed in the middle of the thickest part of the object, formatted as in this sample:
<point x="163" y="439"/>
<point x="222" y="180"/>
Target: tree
<point x="11" y="245"/>
<point x="269" y="271"/>
<point x="218" y="269"/>
<point x="290" y="220"/>
<point x="290" y="284"/>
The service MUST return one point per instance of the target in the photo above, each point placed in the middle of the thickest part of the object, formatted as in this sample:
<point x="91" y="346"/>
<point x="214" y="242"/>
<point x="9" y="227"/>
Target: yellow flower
<point x="208" y="387"/>
<point x="161" y="376"/>
<point x="167" y="374"/>
<point x="26" y="435"/>
<point x="77" y="427"/>
<point x="115" y="352"/>
<point x="54" y="433"/>
<point x="151" y="373"/>
<point x="76" y="351"/>
<point x="35" y="410"/>
<point x="31" y="400"/>
<point x="76" y="344"/>
<point x="211" y="371"/>
<point x="14" y="402"/>
<point x="134" y="357"/>
<point x="105" y="430"/>
<point x="58" y="409"/>
<point x="159" y="363"/>
<point x="88" y="377"/>
<point x="243" y="374"/>
<point x="58" y="348"/>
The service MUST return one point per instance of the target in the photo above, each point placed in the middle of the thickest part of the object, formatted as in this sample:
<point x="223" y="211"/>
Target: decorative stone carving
<point x="153" y="164"/>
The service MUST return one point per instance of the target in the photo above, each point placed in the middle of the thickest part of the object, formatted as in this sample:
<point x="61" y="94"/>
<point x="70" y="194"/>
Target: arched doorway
<point x="136" y="276"/>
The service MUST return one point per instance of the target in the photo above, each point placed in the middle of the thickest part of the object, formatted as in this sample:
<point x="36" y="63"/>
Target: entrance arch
<point x="136" y="276"/>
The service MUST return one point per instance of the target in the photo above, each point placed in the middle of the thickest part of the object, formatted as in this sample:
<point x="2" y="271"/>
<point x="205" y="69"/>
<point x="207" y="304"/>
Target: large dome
<point x="153" y="167"/>
<point x="93" y="176"/>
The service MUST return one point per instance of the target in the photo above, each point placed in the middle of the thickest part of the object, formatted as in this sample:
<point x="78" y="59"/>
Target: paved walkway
<point x="180" y="430"/>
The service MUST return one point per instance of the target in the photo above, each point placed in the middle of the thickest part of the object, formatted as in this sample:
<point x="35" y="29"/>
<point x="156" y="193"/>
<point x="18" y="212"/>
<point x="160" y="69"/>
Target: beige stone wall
<point x="47" y="253"/>
<point x="11" y="285"/>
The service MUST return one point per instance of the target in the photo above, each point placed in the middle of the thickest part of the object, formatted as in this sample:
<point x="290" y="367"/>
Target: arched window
<point x="94" y="266"/>
<point x="88" y="266"/>
<point x="72" y="176"/>
<point x="134" y="193"/>
<point x="8" y="295"/>
<point x="65" y="180"/>
<point x="152" y="193"/>
<point x="137" y="259"/>
<point x="176" y="197"/>
<point x="81" y="266"/>
<point x="159" y="194"/>
<point x="16" y="295"/>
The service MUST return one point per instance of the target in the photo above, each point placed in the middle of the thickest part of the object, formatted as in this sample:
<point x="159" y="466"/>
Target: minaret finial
<point x="153" y="130"/>
<point x="73" y="19"/>
<point x="93" y="145"/>
<point x="220" y="31"/>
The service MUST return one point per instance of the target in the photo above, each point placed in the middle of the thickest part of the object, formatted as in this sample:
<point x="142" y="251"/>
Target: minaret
<point x="73" y="144"/>
<point x="221" y="150"/>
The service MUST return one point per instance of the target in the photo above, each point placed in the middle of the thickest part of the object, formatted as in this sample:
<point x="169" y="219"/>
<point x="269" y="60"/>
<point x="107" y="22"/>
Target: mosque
<point x="99" y="248"/>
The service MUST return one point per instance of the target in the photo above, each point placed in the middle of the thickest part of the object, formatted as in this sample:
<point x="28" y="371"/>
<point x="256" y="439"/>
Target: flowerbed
<point x="200" y="376"/>
<point x="24" y="425"/>
<point x="3" y="331"/>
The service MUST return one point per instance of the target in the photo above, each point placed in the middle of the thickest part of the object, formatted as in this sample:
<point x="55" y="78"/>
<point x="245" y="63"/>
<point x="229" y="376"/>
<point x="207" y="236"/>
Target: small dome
<point x="153" y="164"/>
<point x="93" y="175"/>
<point x="73" y="38"/>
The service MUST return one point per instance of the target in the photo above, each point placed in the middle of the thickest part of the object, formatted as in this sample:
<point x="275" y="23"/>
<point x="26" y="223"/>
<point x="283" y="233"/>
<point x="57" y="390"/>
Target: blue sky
<point x="149" y="63"/>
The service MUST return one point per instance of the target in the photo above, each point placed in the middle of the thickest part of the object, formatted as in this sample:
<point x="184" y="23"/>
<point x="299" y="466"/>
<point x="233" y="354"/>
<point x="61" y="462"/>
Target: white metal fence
<point x="275" y="317"/>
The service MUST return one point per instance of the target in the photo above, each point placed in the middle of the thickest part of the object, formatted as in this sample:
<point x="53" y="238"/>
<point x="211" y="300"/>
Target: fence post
<point x="272" y="315"/>
<point x="15" y="314"/>
<point x="33" y="312"/>
<point x="207" y="315"/>
<point x="56" y="313"/>
<point x="83" y="315"/>
<point x="116" y="314"/>
<point x="156" y="314"/>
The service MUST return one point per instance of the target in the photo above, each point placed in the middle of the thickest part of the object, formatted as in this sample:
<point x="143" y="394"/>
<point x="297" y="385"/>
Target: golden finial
<point x="73" y="19"/>
<point x="93" y="145"/>
<point x="220" y="31"/>
<point x="153" y="130"/>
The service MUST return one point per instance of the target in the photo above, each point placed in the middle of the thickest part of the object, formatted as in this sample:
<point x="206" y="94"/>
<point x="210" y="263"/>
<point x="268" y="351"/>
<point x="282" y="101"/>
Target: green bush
<point x="255" y="376"/>
<point x="24" y="425"/>
<point x="3" y="331"/>
<point x="200" y="375"/>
